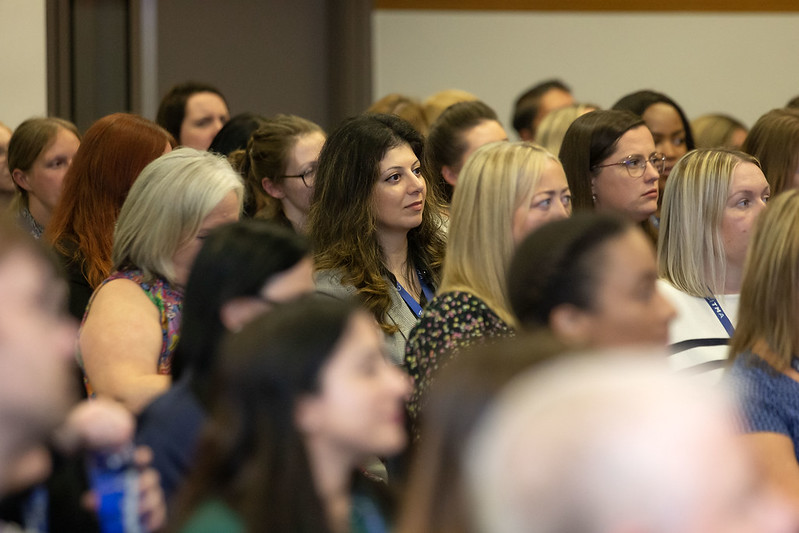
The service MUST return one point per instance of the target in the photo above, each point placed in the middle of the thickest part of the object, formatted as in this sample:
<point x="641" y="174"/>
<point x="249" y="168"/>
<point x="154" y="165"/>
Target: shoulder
<point x="329" y="282"/>
<point x="674" y="294"/>
<point x="769" y="399"/>
<point x="120" y="307"/>
<point x="452" y="320"/>
<point x="463" y="310"/>
<point x="121" y="291"/>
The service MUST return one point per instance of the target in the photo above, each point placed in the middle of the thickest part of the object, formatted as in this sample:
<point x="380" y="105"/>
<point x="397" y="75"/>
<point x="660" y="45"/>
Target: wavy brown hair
<point x="342" y="224"/>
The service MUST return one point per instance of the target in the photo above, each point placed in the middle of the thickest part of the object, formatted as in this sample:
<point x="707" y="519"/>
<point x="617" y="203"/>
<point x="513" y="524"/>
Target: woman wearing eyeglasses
<point x="710" y="205"/>
<point x="279" y="167"/>
<point x="612" y="165"/>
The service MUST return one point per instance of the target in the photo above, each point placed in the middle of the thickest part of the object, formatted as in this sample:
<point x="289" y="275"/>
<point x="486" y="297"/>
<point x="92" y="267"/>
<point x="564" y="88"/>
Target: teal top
<point x="214" y="517"/>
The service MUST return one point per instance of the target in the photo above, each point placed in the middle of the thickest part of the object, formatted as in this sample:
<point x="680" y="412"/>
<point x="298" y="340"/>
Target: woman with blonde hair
<point x="552" y="129"/>
<point x="506" y="190"/>
<point x="765" y="368"/>
<point x="718" y="131"/>
<point x="404" y="107"/>
<point x="710" y="205"/>
<point x="132" y="322"/>
<point x="279" y="169"/>
<point x="435" y="104"/>
<point x="40" y="152"/>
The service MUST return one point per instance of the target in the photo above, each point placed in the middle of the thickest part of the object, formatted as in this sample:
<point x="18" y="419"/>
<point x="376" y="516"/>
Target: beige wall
<point x="742" y="64"/>
<point x="23" y="63"/>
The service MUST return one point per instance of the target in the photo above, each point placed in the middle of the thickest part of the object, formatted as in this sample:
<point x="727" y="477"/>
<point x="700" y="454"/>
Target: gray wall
<point x="267" y="56"/>
<point x="742" y="64"/>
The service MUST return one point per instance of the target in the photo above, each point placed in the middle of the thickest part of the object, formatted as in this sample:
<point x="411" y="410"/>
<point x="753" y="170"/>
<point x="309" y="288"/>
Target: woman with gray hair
<point x="132" y="322"/>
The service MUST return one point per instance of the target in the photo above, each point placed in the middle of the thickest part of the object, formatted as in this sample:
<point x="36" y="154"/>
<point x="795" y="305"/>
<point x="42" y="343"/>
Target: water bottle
<point x="114" y="480"/>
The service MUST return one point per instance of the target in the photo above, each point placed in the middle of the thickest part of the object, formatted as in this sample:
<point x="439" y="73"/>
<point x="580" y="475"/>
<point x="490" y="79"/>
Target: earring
<point x="593" y="198"/>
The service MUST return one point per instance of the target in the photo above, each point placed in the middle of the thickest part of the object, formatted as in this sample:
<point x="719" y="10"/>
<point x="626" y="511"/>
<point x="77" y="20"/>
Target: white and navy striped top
<point x="698" y="342"/>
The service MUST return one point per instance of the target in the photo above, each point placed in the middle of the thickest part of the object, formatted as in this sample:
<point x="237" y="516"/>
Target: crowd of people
<point x="409" y="323"/>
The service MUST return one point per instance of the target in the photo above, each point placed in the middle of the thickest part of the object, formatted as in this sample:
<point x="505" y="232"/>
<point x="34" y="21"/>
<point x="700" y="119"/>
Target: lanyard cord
<point x="721" y="315"/>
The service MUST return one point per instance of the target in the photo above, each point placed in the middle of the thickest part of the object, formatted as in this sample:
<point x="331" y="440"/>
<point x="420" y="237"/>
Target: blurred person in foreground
<point x="42" y="476"/>
<point x="601" y="443"/>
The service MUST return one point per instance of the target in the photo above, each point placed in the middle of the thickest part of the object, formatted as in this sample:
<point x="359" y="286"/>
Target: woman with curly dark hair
<point x="375" y="224"/>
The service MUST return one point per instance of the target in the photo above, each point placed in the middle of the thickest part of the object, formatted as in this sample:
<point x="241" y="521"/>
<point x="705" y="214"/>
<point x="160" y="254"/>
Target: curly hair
<point x="342" y="223"/>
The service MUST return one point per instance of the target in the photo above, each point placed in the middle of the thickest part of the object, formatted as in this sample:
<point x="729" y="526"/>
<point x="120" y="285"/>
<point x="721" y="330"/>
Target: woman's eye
<point x="418" y="171"/>
<point x="744" y="203"/>
<point x="393" y="178"/>
<point x="766" y="198"/>
<point x="567" y="199"/>
<point x="678" y="141"/>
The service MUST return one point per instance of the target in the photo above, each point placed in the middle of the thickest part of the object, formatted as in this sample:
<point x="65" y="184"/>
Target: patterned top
<point x="29" y="224"/>
<point x="769" y="400"/>
<point x="169" y="302"/>
<point x="450" y="322"/>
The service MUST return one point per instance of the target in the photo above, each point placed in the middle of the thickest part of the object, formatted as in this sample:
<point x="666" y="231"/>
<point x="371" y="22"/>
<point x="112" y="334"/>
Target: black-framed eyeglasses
<point x="636" y="164"/>
<point x="308" y="177"/>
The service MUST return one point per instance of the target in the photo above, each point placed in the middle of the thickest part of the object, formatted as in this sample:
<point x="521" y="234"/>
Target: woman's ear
<point x="272" y="189"/>
<point x="450" y="176"/>
<point x="571" y="324"/>
<point x="20" y="178"/>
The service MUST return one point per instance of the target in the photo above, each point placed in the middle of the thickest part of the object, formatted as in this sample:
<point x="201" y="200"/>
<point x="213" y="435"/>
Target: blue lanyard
<point x="721" y="315"/>
<point x="35" y="510"/>
<point x="365" y="517"/>
<point x="413" y="304"/>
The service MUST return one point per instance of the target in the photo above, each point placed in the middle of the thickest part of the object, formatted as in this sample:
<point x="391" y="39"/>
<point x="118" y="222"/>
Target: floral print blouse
<point x="450" y="322"/>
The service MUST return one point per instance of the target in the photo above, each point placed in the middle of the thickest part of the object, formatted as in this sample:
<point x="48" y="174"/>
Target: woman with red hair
<point x="114" y="151"/>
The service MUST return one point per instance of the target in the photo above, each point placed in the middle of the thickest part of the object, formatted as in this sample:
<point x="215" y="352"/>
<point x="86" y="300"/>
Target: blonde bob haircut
<point x="769" y="306"/>
<point x="691" y="252"/>
<point x="552" y="129"/>
<point x="166" y="207"/>
<point x="495" y="181"/>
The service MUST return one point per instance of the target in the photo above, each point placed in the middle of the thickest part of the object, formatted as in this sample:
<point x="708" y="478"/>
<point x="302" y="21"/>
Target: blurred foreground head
<point x="37" y="341"/>
<point x="615" y="443"/>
